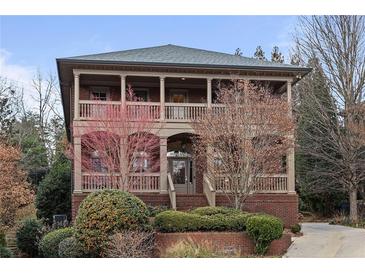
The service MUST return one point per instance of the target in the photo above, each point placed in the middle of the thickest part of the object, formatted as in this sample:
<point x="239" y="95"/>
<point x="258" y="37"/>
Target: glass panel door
<point x="180" y="173"/>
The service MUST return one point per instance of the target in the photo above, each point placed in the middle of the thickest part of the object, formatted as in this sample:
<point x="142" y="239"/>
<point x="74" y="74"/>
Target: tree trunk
<point x="353" y="205"/>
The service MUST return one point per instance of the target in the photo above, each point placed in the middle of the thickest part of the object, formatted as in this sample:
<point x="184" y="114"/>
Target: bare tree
<point x="244" y="139"/>
<point x="10" y="97"/>
<point x="47" y="98"/>
<point x="338" y="43"/>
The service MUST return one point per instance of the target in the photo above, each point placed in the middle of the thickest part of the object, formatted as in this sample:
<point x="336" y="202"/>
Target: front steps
<point x="186" y="202"/>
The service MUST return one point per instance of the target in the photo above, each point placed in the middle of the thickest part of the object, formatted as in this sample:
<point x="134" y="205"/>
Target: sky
<point x="31" y="43"/>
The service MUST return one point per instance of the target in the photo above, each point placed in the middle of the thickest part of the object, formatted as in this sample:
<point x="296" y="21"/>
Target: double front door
<point x="181" y="170"/>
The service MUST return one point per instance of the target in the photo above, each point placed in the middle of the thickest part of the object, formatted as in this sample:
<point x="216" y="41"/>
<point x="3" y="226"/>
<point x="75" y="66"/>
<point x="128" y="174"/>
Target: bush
<point x="154" y="210"/>
<point x="48" y="246"/>
<point x="131" y="244"/>
<point x="70" y="248"/>
<point x="296" y="228"/>
<point x="54" y="191"/>
<point x="177" y="221"/>
<point x="211" y="210"/>
<point x="5" y="252"/>
<point x="105" y="213"/>
<point x="263" y="229"/>
<point x="190" y="249"/>
<point x="28" y="237"/>
<point x="2" y="238"/>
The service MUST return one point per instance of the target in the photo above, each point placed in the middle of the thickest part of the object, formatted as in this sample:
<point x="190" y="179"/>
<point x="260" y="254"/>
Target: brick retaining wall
<point x="226" y="242"/>
<point x="284" y="206"/>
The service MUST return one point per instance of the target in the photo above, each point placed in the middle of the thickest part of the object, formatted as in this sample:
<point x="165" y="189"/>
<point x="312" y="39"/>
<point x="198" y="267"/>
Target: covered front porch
<point x="177" y="176"/>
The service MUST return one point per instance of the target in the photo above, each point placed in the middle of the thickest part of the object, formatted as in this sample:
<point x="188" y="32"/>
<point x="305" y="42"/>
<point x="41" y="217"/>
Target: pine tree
<point x="276" y="55"/>
<point x="259" y="53"/>
<point x="313" y="189"/>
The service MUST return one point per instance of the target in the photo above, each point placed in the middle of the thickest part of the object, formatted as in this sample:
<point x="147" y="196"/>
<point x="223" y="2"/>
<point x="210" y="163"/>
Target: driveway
<point x="321" y="240"/>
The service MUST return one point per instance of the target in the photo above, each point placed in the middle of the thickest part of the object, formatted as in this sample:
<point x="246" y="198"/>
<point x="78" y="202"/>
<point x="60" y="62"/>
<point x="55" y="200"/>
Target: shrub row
<point x="262" y="229"/>
<point x="177" y="221"/>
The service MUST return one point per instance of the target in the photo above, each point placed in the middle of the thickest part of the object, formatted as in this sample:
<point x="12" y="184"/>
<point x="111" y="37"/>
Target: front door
<point x="181" y="174"/>
<point x="178" y="96"/>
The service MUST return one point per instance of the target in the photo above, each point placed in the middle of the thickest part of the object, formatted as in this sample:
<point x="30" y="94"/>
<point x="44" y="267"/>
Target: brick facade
<point x="284" y="206"/>
<point x="228" y="242"/>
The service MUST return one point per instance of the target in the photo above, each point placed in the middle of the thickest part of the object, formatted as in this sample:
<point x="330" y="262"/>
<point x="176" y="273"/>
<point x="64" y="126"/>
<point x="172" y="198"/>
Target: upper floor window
<point x="99" y="93"/>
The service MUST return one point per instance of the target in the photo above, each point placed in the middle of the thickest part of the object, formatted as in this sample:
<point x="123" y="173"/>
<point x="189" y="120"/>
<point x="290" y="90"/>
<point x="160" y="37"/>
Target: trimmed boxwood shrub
<point x="5" y="252"/>
<point x="211" y="210"/>
<point x="104" y="213"/>
<point x="177" y="221"/>
<point x="28" y="237"/>
<point x="70" y="248"/>
<point x="263" y="229"/>
<point x="48" y="246"/>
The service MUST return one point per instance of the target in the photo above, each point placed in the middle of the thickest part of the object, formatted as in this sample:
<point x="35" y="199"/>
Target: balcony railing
<point x="277" y="183"/>
<point x="144" y="182"/>
<point x="174" y="112"/>
<point x="184" y="112"/>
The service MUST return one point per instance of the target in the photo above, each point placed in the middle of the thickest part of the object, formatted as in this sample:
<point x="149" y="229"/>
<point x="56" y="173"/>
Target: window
<point x="141" y="94"/>
<point x="99" y="93"/>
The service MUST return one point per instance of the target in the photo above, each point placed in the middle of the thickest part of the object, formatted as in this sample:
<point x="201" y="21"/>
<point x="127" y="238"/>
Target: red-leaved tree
<point x="121" y="140"/>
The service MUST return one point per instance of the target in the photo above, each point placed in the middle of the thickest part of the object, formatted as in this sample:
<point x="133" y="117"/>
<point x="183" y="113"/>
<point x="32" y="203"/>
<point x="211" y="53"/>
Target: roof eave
<point x="263" y="68"/>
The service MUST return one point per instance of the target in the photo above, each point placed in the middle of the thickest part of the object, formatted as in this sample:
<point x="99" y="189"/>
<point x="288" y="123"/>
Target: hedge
<point x="49" y="244"/>
<point x="104" y="213"/>
<point x="213" y="210"/>
<point x="177" y="221"/>
<point x="263" y="229"/>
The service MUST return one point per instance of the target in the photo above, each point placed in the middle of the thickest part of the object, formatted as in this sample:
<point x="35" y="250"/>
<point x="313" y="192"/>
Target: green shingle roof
<point x="181" y="56"/>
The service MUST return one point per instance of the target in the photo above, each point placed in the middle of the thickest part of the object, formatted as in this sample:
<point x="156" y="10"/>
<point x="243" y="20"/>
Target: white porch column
<point x="209" y="92"/>
<point x="77" y="96"/>
<point x="77" y="165"/>
<point x="122" y="90"/>
<point x="162" y="98"/>
<point x="163" y="165"/>
<point x="291" y="154"/>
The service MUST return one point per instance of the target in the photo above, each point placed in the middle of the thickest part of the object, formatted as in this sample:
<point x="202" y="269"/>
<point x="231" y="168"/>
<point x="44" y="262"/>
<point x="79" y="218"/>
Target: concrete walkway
<point x="321" y="240"/>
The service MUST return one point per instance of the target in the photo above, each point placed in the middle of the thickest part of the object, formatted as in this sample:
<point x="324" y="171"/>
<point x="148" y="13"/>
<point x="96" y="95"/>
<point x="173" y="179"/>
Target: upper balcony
<point x="165" y="99"/>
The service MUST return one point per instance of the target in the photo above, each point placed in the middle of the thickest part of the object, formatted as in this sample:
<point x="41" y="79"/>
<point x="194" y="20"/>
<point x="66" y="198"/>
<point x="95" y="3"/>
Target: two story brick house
<point x="179" y="84"/>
